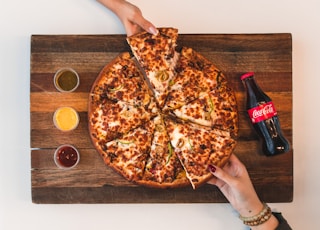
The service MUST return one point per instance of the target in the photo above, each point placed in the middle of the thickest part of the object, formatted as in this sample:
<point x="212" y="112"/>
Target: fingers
<point x="135" y="18"/>
<point x="146" y="25"/>
<point x="221" y="175"/>
<point x="213" y="181"/>
<point x="131" y="29"/>
<point x="234" y="160"/>
<point x="229" y="173"/>
<point x="138" y="25"/>
<point x="149" y="27"/>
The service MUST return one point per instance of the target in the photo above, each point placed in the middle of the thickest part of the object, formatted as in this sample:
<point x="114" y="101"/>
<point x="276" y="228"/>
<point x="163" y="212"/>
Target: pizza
<point x="159" y="69"/>
<point x="159" y="116"/>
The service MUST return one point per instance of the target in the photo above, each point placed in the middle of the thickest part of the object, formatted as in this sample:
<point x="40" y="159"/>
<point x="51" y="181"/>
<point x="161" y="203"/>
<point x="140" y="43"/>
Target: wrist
<point x="262" y="216"/>
<point x="271" y="223"/>
<point x="251" y="208"/>
<point x="262" y="220"/>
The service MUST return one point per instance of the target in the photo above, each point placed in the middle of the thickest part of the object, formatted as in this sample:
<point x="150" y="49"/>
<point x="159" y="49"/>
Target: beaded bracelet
<point x="258" y="219"/>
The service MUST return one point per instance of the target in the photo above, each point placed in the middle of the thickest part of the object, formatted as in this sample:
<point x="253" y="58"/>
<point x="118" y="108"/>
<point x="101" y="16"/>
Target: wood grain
<point x="268" y="55"/>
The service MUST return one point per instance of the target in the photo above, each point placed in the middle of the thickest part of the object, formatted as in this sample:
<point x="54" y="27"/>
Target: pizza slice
<point x="128" y="154"/>
<point x="197" y="147"/>
<point x="216" y="109"/>
<point x="108" y="119"/>
<point x="195" y="75"/>
<point x="122" y="80"/>
<point x="163" y="168"/>
<point x="157" y="57"/>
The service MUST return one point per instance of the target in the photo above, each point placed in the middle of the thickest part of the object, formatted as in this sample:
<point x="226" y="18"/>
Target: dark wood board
<point x="268" y="55"/>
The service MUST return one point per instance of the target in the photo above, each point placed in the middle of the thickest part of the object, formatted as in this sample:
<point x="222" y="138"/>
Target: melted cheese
<point x="176" y="136"/>
<point x="199" y="118"/>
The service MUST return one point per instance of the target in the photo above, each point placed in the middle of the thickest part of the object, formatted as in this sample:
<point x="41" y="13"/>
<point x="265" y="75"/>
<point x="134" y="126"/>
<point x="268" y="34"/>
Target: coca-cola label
<point x="262" y="112"/>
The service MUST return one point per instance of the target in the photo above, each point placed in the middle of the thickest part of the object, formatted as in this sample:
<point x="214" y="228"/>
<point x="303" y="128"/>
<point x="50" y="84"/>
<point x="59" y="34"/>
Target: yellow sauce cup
<point x="66" y="118"/>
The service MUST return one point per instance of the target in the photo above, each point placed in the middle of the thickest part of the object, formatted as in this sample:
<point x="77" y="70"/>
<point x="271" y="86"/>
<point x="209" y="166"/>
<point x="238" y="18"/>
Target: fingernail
<point x="212" y="168"/>
<point x="153" y="30"/>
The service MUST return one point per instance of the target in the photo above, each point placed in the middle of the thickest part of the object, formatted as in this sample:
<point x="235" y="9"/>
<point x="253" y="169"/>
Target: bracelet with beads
<point x="258" y="219"/>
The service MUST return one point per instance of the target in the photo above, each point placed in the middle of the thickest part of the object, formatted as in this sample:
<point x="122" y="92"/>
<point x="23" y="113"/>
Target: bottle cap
<point x="244" y="76"/>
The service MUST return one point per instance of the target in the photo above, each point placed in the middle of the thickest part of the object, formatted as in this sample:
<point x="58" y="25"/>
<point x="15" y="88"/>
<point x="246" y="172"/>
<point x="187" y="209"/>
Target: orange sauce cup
<point x="66" y="118"/>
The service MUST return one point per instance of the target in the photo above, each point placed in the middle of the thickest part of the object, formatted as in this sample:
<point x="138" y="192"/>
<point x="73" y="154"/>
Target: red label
<point x="262" y="112"/>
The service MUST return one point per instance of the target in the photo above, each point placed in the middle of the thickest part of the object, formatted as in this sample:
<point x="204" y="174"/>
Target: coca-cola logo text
<point x="262" y="112"/>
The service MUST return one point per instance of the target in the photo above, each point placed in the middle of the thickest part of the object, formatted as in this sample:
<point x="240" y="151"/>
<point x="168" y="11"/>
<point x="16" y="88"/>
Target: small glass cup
<point x="66" y="119"/>
<point x="66" y="156"/>
<point x="66" y="80"/>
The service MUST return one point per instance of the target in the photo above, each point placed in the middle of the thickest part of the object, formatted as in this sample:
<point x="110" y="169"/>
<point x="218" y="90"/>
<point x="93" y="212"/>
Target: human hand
<point x="235" y="184"/>
<point x="130" y="16"/>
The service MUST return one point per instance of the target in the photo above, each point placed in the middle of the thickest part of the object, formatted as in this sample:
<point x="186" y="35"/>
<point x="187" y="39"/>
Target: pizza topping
<point x="190" y="144"/>
<point x="162" y="75"/>
<point x="123" y="142"/>
<point x="116" y="88"/>
<point x="170" y="152"/>
<point x="180" y="143"/>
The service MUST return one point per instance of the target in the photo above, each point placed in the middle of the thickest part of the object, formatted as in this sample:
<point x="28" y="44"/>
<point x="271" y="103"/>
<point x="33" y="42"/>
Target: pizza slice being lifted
<point x="157" y="57"/>
<point x="197" y="147"/>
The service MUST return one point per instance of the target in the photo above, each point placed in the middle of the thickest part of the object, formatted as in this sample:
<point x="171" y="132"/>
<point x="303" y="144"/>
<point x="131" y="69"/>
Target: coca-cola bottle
<point x="264" y="117"/>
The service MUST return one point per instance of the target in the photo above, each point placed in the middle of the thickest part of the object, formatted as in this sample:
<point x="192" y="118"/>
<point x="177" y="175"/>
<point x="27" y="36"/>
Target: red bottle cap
<point x="244" y="76"/>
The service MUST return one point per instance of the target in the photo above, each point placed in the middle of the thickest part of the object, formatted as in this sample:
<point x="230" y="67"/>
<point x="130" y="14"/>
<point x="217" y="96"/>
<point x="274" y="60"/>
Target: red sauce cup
<point x="66" y="157"/>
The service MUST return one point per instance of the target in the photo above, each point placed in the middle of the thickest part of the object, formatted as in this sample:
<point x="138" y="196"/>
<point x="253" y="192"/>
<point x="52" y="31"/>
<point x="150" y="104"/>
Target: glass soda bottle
<point x="264" y="117"/>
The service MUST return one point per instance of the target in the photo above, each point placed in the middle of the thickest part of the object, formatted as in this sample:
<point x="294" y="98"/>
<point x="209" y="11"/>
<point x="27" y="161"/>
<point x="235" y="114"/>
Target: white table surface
<point x="20" y="19"/>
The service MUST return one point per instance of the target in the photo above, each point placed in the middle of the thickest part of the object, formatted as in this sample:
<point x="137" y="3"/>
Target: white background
<point x="19" y="19"/>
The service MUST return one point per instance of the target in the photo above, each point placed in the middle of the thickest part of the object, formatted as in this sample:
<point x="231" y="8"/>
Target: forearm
<point x="113" y="5"/>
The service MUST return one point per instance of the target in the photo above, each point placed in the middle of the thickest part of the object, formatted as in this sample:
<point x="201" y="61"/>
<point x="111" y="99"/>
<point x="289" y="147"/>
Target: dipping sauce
<point x="66" y="80"/>
<point x="66" y="156"/>
<point x="66" y="118"/>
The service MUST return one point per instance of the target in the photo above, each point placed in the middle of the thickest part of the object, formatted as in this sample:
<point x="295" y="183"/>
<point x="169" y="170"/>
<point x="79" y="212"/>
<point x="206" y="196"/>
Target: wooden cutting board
<point x="268" y="55"/>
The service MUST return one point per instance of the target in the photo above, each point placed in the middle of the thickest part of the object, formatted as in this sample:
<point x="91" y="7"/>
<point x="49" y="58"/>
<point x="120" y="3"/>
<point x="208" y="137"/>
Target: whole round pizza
<point x="160" y="116"/>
